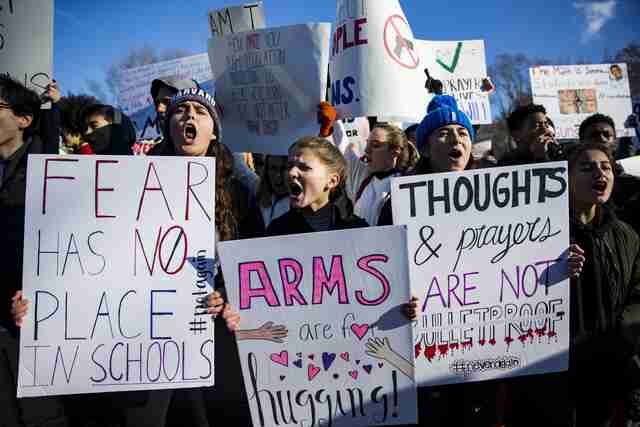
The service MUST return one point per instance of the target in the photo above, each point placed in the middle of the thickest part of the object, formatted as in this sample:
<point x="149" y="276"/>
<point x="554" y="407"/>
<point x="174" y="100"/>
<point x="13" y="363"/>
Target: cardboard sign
<point x="374" y="62"/>
<point x="236" y="19"/>
<point x="571" y="93"/>
<point x="269" y="83"/>
<point x="631" y="165"/>
<point x="134" y="91"/>
<point x="460" y="66"/>
<point x="117" y="252"/>
<point x="324" y="340"/>
<point x="26" y="41"/>
<point x="487" y="254"/>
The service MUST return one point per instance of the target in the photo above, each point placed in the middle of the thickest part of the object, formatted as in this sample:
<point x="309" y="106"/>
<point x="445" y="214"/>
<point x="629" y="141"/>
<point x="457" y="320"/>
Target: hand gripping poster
<point x="488" y="263"/>
<point x="323" y="339"/>
<point x="118" y="254"/>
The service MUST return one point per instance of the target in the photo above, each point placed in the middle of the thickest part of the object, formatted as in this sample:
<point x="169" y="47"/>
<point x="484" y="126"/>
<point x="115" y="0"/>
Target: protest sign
<point x="460" y="66"/>
<point x="117" y="252"/>
<point x="487" y="255"/>
<point x="571" y="93"/>
<point x="374" y="62"/>
<point x="134" y="88"/>
<point x="631" y="165"/>
<point x="26" y="41"/>
<point x="269" y="83"/>
<point x="236" y="19"/>
<point x="326" y="342"/>
<point x="357" y="130"/>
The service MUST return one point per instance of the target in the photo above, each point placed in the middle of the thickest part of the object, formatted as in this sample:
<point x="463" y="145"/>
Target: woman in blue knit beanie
<point x="444" y="137"/>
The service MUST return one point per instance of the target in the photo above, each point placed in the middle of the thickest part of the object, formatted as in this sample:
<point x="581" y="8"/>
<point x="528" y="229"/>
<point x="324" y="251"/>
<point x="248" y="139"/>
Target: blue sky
<point x="91" y="35"/>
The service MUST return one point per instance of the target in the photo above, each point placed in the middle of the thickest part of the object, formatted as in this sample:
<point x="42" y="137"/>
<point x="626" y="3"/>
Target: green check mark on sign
<point x="456" y="57"/>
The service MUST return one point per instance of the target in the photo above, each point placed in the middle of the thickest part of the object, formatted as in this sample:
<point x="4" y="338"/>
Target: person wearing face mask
<point x="316" y="171"/>
<point x="108" y="131"/>
<point x="605" y="297"/>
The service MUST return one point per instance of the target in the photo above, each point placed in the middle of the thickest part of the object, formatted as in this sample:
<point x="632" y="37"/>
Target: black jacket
<point x="293" y="222"/>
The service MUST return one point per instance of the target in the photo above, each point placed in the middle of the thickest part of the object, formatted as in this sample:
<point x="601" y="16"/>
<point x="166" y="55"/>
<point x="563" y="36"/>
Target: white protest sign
<point x="374" y="62"/>
<point x="326" y="342"/>
<point x="487" y="254"/>
<point x="631" y="165"/>
<point x="269" y="83"/>
<point x="134" y="88"/>
<point x="26" y="41"/>
<point x="117" y="251"/>
<point x="571" y="93"/>
<point x="357" y="130"/>
<point x="460" y="66"/>
<point x="236" y="19"/>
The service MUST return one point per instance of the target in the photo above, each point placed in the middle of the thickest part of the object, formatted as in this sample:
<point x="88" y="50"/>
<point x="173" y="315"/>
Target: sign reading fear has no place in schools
<point x="118" y="252"/>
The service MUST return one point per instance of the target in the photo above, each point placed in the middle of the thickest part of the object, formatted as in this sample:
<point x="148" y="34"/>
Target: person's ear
<point x="333" y="182"/>
<point x="24" y="121"/>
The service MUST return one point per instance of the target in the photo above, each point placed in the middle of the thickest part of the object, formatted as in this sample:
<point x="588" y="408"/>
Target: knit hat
<point x="442" y="111"/>
<point x="199" y="96"/>
<point x="172" y="84"/>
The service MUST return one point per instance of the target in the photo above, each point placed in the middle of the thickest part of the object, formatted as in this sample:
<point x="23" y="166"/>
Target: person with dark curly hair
<point x="533" y="134"/>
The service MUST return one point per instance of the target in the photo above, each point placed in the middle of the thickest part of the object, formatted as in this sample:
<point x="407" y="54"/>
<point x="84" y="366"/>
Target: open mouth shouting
<point x="455" y="154"/>
<point x="190" y="133"/>
<point x="600" y="187"/>
<point x="296" y="193"/>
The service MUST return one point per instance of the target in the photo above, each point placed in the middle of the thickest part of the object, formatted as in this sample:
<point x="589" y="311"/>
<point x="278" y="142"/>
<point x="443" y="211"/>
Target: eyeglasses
<point x="5" y="106"/>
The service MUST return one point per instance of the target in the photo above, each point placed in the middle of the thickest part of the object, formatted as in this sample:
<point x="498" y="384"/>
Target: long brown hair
<point x="397" y="140"/>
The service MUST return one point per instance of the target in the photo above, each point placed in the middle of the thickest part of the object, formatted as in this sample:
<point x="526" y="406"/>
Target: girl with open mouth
<point x="316" y="171"/>
<point x="605" y="310"/>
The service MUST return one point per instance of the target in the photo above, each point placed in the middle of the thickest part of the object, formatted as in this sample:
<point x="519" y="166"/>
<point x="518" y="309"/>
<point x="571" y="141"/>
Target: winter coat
<point x="294" y="222"/>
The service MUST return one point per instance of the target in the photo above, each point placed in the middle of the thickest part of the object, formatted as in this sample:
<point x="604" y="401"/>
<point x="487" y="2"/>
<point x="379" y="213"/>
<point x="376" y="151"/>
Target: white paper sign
<point x="236" y="19"/>
<point x="357" y="130"/>
<point x="571" y="93"/>
<point x="631" y="165"/>
<point x="374" y="60"/>
<point x="487" y="254"/>
<point x="117" y="251"/>
<point x="325" y="342"/>
<point x="26" y="41"/>
<point x="134" y="91"/>
<point x="460" y="66"/>
<point x="269" y="83"/>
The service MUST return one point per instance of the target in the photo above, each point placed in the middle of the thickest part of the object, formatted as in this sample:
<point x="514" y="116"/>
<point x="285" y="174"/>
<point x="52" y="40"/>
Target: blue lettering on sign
<point x="342" y="91"/>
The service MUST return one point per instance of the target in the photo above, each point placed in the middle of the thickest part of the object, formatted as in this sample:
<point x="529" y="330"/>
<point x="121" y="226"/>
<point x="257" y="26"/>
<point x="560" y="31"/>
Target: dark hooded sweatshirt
<point x="114" y="139"/>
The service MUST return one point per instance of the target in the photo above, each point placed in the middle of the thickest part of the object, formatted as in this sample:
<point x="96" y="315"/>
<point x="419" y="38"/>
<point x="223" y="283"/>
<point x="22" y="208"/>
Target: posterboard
<point x="460" y="66"/>
<point x="631" y="165"/>
<point x="270" y="83"/>
<point x="375" y="67"/>
<point x="117" y="251"/>
<point x="357" y="130"/>
<point x="487" y="255"/>
<point x="134" y="89"/>
<point x="236" y="19"/>
<point x="26" y="41"/>
<point x="324" y="339"/>
<point x="571" y="93"/>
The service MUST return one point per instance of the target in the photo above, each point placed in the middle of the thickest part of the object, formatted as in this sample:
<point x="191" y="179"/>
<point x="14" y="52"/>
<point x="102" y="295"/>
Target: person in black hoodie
<point x="108" y="131"/>
<point x="605" y="297"/>
<point x="316" y="173"/>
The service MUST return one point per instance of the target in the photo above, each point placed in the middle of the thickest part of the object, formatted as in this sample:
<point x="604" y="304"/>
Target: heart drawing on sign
<point x="327" y="360"/>
<point x="353" y="374"/>
<point x="345" y="356"/>
<point x="454" y="62"/>
<point x="312" y="371"/>
<point x="360" y="330"/>
<point x="281" y="358"/>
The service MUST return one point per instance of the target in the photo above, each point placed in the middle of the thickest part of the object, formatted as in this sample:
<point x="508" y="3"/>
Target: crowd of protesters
<point x="326" y="183"/>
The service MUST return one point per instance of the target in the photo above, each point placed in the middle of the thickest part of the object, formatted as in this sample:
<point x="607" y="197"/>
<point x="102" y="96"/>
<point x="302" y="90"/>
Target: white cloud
<point x="597" y="14"/>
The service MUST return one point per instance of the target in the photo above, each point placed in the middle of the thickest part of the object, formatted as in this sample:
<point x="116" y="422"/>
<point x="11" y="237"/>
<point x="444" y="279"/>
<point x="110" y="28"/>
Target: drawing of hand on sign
<point x="381" y="349"/>
<point x="398" y="42"/>
<point x="267" y="332"/>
